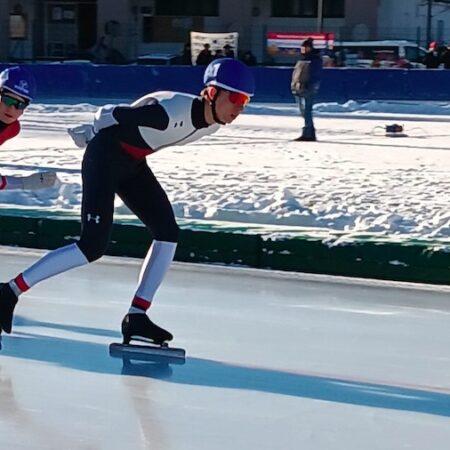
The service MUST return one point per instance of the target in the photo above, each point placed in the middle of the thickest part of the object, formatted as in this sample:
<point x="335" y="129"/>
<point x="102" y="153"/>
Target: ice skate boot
<point x="8" y="300"/>
<point x="140" y="327"/>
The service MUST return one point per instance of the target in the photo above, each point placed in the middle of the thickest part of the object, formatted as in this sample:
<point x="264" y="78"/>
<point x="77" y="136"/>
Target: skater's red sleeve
<point x="9" y="131"/>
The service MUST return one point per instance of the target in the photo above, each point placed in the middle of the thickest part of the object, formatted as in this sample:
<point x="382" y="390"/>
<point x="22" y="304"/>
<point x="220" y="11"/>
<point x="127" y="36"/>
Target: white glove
<point x="104" y="117"/>
<point x="82" y="135"/>
<point x="39" y="180"/>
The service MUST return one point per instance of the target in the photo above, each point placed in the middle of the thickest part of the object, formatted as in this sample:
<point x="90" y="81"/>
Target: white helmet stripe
<point x="228" y="88"/>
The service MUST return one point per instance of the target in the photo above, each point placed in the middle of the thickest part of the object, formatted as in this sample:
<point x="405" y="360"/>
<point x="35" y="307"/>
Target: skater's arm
<point x="32" y="182"/>
<point x="150" y="115"/>
<point x="153" y="116"/>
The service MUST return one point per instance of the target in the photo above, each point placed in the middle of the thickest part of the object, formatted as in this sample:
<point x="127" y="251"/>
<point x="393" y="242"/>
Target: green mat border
<point x="412" y="261"/>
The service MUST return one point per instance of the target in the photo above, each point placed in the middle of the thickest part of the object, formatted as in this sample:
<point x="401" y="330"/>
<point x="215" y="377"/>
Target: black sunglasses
<point x="12" y="101"/>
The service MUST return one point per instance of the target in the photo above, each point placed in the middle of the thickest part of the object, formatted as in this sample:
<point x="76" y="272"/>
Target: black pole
<point x="429" y="16"/>
<point x="320" y="16"/>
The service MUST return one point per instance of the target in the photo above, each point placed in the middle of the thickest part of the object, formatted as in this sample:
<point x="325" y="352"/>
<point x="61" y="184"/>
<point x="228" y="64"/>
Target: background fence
<point x="85" y="81"/>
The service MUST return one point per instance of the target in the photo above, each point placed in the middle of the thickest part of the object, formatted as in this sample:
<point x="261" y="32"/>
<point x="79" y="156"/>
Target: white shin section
<point x="53" y="263"/>
<point x="155" y="267"/>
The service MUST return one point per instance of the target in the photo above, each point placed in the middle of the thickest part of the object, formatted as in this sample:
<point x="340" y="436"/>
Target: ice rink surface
<point x="274" y="362"/>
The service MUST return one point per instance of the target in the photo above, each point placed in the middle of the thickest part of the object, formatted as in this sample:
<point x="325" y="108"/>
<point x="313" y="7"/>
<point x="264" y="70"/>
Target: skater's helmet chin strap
<point x="211" y="95"/>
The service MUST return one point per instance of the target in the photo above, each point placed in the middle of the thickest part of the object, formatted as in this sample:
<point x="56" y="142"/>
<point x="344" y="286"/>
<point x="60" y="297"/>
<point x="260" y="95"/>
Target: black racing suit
<point x="114" y="163"/>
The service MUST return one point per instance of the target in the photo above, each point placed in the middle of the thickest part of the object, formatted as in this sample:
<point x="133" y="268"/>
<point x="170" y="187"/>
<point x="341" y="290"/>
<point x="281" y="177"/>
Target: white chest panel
<point x="180" y="130"/>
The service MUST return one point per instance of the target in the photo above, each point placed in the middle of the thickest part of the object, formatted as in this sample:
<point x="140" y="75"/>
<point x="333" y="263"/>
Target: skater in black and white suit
<point x="118" y="143"/>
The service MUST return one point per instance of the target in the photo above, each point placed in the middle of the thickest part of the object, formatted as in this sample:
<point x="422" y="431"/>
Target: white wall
<point x="400" y="18"/>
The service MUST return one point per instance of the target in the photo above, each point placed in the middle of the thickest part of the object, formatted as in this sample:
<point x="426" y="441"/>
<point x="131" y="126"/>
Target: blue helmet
<point x="19" y="81"/>
<point x="230" y="74"/>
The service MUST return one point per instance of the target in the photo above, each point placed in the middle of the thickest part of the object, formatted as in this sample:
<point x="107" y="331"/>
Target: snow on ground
<point x="355" y="181"/>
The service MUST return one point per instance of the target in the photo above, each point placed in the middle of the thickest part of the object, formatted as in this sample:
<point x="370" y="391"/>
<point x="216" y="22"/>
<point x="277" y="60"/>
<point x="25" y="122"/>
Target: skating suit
<point x="114" y="163"/>
<point x="158" y="120"/>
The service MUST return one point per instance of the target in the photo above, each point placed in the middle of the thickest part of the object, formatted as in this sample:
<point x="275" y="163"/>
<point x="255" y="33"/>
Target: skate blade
<point x="152" y="353"/>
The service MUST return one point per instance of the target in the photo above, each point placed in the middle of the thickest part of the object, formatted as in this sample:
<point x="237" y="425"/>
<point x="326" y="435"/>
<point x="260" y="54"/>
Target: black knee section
<point x="92" y="250"/>
<point x="170" y="233"/>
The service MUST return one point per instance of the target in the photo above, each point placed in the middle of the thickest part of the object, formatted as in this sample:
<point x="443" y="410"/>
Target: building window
<point x="187" y="7"/>
<point x="62" y="13"/>
<point x="334" y="8"/>
<point x="307" y="8"/>
<point x="294" y="8"/>
<point x="147" y="29"/>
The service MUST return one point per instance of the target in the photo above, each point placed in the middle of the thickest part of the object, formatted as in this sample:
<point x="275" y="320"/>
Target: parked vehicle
<point x="380" y="53"/>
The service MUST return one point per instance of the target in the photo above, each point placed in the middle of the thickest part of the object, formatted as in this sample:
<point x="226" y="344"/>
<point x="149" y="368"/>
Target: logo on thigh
<point x="92" y="218"/>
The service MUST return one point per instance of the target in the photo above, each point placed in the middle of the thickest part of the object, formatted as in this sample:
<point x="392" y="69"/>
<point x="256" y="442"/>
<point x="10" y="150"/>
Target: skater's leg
<point x="147" y="199"/>
<point x="156" y="264"/>
<point x="53" y="263"/>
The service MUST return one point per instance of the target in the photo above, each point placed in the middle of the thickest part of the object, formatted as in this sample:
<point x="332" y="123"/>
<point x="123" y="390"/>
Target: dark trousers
<point x="306" y="103"/>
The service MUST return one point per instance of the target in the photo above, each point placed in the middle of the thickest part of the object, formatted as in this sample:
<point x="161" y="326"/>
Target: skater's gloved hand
<point x="104" y="117"/>
<point x="32" y="182"/>
<point x="82" y="135"/>
<point x="40" y="180"/>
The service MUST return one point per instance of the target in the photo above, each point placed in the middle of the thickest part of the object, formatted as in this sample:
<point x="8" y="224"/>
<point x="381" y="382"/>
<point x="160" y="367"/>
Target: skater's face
<point x="229" y="105"/>
<point x="11" y="107"/>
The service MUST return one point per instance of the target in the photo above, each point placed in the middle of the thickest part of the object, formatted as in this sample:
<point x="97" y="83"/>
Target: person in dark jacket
<point x="205" y="56"/>
<point x="432" y="59"/>
<point x="228" y="51"/>
<point x="218" y="54"/>
<point x="446" y="57"/>
<point x="186" y="58"/>
<point x="305" y="85"/>
<point x="249" y="58"/>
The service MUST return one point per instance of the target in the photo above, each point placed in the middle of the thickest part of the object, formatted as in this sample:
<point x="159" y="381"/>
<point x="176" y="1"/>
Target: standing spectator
<point x="205" y="56"/>
<point x="218" y="54"/>
<point x="100" y="51"/>
<point x="186" y="58"/>
<point x="305" y="85"/>
<point x="249" y="58"/>
<point x="341" y="57"/>
<point x="228" y="51"/>
<point x="446" y="57"/>
<point x="431" y="59"/>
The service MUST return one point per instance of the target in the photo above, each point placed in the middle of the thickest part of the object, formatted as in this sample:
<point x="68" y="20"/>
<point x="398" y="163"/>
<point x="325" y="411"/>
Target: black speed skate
<point x="8" y="301"/>
<point x="140" y="327"/>
<point x="156" y="350"/>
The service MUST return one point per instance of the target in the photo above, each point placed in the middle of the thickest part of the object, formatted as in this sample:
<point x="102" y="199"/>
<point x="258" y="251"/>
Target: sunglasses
<point x="238" y="99"/>
<point x="11" y="101"/>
